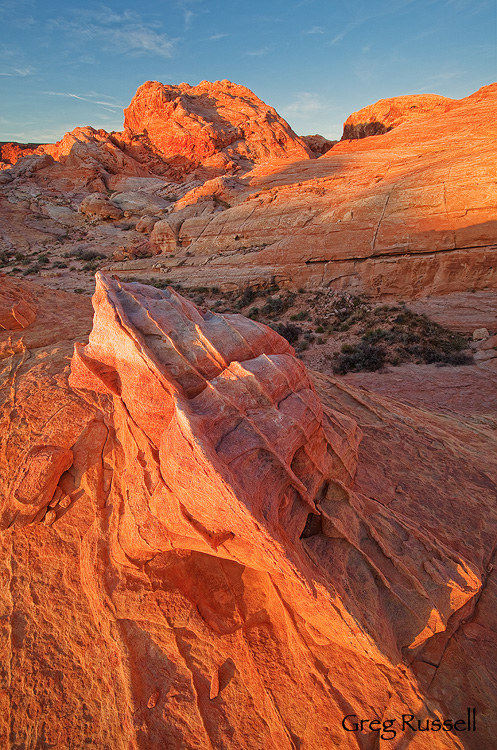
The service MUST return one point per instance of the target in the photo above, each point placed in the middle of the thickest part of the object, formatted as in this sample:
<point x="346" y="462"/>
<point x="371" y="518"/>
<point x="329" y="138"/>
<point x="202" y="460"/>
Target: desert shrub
<point x="84" y="255"/>
<point x="457" y="358"/>
<point x="302" y="315"/>
<point x="35" y="268"/>
<point x="59" y="264"/>
<point x="363" y="356"/>
<point x="4" y="258"/>
<point x="247" y="297"/>
<point x="289" y="332"/>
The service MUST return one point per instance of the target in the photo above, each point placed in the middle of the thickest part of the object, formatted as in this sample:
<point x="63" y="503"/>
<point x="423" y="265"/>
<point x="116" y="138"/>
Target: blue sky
<point x="64" y="64"/>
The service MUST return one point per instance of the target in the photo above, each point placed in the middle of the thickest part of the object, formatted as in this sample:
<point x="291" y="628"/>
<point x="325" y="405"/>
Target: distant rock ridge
<point x="210" y="179"/>
<point x="174" y="131"/>
<point x="387" y="114"/>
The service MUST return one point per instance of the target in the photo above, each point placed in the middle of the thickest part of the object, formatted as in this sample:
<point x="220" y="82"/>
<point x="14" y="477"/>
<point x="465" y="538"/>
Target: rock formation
<point x="398" y="214"/>
<point x="387" y="114"/>
<point x="203" y="548"/>
<point x="232" y="194"/>
<point x="220" y="125"/>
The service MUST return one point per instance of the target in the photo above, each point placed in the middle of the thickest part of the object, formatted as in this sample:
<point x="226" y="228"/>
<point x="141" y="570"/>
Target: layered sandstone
<point x="235" y="200"/>
<point x="202" y="547"/>
<point x="403" y="214"/>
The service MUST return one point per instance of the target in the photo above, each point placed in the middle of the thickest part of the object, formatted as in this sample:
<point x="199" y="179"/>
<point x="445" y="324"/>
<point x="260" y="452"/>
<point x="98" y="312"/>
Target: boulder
<point x="480" y="333"/>
<point x="139" y="203"/>
<point x="98" y="206"/>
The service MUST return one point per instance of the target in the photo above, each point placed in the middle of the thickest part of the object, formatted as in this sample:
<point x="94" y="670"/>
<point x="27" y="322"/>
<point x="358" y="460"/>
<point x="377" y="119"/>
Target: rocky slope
<point x="215" y="184"/>
<point x="204" y="547"/>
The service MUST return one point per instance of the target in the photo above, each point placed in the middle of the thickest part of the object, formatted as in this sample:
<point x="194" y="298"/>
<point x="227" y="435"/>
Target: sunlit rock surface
<point x="232" y="193"/>
<point x="203" y="547"/>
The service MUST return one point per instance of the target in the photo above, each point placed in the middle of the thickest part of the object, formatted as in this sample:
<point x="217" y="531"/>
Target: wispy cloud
<point x="314" y="30"/>
<point x="390" y="7"/>
<point x="217" y="37"/>
<point x="304" y="104"/>
<point x="123" y="33"/>
<point x="258" y="52"/>
<point x="13" y="63"/>
<point x="446" y="74"/>
<point x="189" y="14"/>
<point x="13" y="72"/>
<point x="88" y="98"/>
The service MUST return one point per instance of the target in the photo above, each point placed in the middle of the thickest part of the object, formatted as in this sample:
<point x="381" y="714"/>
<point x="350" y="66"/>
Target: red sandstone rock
<point x="12" y="152"/>
<point x="221" y="535"/>
<point x="387" y="114"/>
<point x="404" y="214"/>
<point x="220" y="121"/>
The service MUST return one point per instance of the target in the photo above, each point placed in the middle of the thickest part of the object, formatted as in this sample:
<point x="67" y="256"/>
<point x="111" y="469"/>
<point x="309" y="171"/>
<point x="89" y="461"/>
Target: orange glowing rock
<point x="212" y="124"/>
<point x="224" y="555"/>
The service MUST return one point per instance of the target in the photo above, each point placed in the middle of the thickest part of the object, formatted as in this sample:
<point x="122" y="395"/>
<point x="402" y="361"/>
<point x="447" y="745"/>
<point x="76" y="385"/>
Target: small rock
<point x="483" y="356"/>
<point x="152" y="701"/>
<point x="146" y="224"/>
<point x="214" y="691"/>
<point x="50" y="517"/>
<point x="100" y="207"/>
<point x="480" y="333"/>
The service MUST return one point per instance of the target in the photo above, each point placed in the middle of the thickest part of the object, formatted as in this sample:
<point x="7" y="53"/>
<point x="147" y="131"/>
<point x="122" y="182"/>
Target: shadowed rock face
<point x="216" y="535"/>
